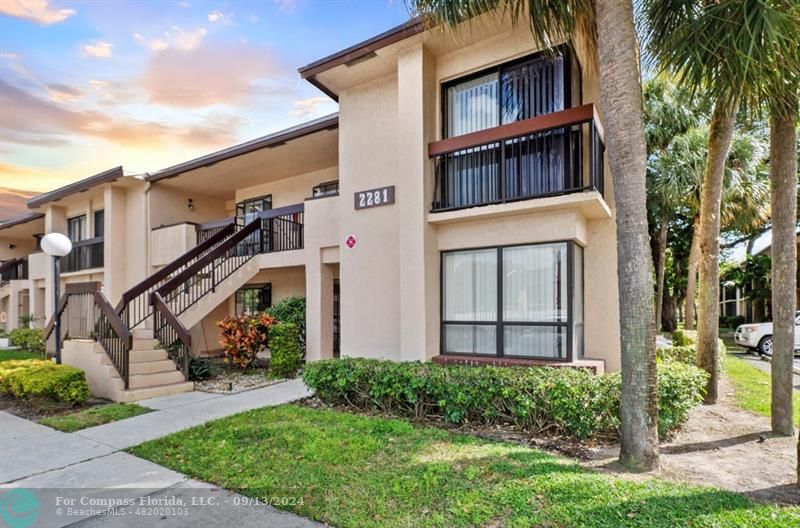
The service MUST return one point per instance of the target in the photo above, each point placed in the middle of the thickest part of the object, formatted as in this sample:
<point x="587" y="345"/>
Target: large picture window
<point x="516" y="301"/>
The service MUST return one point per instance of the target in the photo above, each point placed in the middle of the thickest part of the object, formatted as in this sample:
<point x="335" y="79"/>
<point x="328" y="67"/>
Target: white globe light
<point x="56" y="244"/>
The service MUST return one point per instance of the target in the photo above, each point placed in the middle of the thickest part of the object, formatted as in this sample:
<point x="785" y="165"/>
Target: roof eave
<point x="76" y="187"/>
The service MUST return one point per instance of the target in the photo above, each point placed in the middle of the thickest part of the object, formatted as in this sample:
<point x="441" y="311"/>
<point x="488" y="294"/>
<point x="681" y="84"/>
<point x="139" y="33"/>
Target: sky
<point x="86" y="85"/>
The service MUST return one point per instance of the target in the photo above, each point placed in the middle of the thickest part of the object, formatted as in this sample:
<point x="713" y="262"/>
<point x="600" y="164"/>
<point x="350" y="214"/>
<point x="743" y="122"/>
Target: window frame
<point x="82" y="219"/>
<point x="263" y="198"/>
<point x="102" y="214"/>
<point x="569" y="352"/>
<point x="324" y="185"/>
<point x="564" y="50"/>
<point x="256" y="287"/>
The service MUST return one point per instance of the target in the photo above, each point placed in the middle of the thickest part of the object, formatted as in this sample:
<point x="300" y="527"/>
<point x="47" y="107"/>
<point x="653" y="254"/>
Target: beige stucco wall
<point x="169" y="243"/>
<point x="22" y="247"/>
<point x="169" y="206"/>
<point x="289" y="191"/>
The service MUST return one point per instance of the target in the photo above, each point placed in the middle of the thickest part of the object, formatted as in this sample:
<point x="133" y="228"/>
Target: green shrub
<point x="684" y="337"/>
<point x="292" y="310"/>
<point x="731" y="321"/>
<point x="37" y="377"/>
<point x="568" y="401"/>
<point x="28" y="339"/>
<point x="683" y="354"/>
<point x="199" y="368"/>
<point x="284" y="346"/>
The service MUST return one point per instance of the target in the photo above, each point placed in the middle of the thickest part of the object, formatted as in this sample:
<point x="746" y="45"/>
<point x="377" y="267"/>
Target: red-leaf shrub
<point x="244" y="336"/>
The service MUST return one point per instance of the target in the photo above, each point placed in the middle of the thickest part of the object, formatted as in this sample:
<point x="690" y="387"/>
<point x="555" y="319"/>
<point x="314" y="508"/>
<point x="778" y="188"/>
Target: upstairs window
<point x="507" y="93"/>
<point x="99" y="227"/>
<point x="76" y="228"/>
<point x="248" y="210"/>
<point x="326" y="189"/>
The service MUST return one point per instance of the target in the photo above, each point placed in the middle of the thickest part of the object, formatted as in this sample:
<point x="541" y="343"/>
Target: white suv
<point x="758" y="336"/>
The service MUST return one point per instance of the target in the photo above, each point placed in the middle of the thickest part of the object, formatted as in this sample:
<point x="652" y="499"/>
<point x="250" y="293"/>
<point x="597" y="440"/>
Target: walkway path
<point x="88" y="466"/>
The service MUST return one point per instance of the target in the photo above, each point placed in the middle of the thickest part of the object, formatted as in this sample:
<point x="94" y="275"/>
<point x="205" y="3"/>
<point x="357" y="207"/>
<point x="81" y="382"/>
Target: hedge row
<point x="684" y="349"/>
<point x="568" y="401"/>
<point x="28" y="339"/>
<point x="38" y="377"/>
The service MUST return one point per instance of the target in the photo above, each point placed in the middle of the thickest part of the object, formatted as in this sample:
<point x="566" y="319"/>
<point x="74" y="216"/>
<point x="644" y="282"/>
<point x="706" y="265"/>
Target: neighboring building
<point x="458" y="208"/>
<point x="735" y="301"/>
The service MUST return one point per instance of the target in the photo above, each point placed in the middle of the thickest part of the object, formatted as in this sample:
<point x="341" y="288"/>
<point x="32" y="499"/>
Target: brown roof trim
<point x="23" y="219"/>
<point x="396" y="34"/>
<point x="271" y="140"/>
<point x="79" y="186"/>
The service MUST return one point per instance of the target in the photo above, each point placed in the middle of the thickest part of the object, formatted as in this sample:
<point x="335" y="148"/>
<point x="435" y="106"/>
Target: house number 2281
<point x="374" y="197"/>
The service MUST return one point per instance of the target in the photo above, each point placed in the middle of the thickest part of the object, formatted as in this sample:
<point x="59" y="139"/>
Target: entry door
<point x="336" y="319"/>
<point x="246" y="212"/>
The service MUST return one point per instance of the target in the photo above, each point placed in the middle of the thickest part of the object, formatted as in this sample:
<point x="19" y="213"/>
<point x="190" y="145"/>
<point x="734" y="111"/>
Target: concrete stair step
<point x="143" y="381"/>
<point x="140" y="343"/>
<point x="152" y="367"/>
<point x="131" y="395"/>
<point x="142" y="333"/>
<point x="142" y="356"/>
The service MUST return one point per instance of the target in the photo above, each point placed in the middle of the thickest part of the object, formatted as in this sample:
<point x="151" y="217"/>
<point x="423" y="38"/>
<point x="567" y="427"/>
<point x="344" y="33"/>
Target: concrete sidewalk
<point x="89" y="466"/>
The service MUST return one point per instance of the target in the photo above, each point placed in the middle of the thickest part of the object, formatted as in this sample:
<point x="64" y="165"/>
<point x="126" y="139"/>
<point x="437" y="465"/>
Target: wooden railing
<point x="552" y="154"/>
<point x="85" y="254"/>
<point x="172" y="335"/>
<point x="134" y="307"/>
<point x="14" y="269"/>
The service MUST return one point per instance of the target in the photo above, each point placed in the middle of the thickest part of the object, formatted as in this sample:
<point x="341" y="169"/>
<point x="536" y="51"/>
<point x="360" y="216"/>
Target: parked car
<point x="758" y="336"/>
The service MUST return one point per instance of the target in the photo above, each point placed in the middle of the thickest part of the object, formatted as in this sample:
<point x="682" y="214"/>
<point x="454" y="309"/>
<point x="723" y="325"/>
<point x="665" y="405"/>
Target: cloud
<point x="184" y="4"/>
<point x="308" y="108"/>
<point x="98" y="50"/>
<point x="38" y="11"/>
<point x="215" y="16"/>
<point x="28" y="119"/>
<point x="61" y="93"/>
<point x="8" y="55"/>
<point x="286" y="6"/>
<point x="175" y="37"/>
<point x="207" y="75"/>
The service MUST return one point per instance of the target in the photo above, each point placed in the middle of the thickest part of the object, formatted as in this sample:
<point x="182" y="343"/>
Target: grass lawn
<point x="94" y="416"/>
<point x="754" y="388"/>
<point x="358" y="471"/>
<point x="7" y="354"/>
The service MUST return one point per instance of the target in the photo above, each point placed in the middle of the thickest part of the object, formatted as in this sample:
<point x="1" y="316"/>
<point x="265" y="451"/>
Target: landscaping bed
<point x="351" y="470"/>
<point x="224" y="378"/>
<point x="36" y="408"/>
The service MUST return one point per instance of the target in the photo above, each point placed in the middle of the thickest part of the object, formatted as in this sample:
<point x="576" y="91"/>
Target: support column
<point x="13" y="305"/>
<point x="114" y="254"/>
<point x="419" y="262"/>
<point x="319" y="309"/>
<point x="55" y="221"/>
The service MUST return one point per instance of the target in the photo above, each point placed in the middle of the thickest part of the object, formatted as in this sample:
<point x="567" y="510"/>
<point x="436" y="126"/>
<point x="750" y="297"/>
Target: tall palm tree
<point x="610" y="25"/>
<point x="727" y="49"/>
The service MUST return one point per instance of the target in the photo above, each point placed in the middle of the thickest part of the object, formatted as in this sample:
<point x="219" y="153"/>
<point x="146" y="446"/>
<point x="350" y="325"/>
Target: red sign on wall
<point x="350" y="241"/>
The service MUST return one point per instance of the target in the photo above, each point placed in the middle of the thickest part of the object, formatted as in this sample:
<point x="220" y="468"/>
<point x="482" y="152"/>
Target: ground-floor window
<point x="253" y="299"/>
<point x="521" y="301"/>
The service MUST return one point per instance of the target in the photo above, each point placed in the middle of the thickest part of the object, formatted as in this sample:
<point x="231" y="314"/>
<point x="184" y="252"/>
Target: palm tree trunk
<point x="719" y="140"/>
<point x="662" y="255"/>
<point x="621" y="96"/>
<point x="783" y="179"/>
<point x="691" y="278"/>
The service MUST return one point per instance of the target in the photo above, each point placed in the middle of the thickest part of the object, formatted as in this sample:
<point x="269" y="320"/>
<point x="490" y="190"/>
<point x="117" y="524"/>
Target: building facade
<point x="458" y="208"/>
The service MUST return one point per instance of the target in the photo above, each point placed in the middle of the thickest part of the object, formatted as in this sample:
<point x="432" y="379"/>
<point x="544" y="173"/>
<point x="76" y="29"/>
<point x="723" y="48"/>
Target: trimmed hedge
<point x="38" y="377"/>
<point x="568" y="401"/>
<point x="284" y="346"/>
<point x="28" y="339"/>
<point x="684" y="349"/>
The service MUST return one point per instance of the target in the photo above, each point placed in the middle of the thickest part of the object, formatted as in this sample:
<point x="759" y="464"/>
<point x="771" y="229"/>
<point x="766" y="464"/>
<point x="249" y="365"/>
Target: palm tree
<point x="605" y="29"/>
<point x="727" y="49"/>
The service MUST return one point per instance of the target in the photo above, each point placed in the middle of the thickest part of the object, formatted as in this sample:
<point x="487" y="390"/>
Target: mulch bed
<point x="37" y="408"/>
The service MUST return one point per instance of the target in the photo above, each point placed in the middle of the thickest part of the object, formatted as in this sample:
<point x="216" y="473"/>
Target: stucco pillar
<point x="419" y="278"/>
<point x="55" y="221"/>
<point x="319" y="309"/>
<point x="13" y="305"/>
<point x="114" y="254"/>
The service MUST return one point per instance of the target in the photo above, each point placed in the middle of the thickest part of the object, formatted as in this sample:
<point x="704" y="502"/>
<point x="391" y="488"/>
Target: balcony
<point x="14" y="269"/>
<point x="549" y="155"/>
<point x="85" y="254"/>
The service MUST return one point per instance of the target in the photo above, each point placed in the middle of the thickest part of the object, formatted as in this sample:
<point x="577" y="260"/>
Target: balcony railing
<point x="553" y="154"/>
<point x="209" y="229"/>
<point x="85" y="254"/>
<point x="14" y="269"/>
<point x="282" y="228"/>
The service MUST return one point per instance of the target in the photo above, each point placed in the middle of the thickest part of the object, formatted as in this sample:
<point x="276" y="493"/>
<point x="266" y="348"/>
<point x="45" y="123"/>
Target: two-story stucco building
<point x="459" y="207"/>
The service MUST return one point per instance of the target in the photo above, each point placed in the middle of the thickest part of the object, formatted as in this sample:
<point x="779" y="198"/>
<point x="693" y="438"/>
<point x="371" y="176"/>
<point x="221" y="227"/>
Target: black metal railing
<point x="549" y="155"/>
<point x="86" y="314"/>
<point x="282" y="229"/>
<point x="14" y="269"/>
<point x="172" y="335"/>
<point x="135" y="306"/>
<point x="209" y="229"/>
<point x="85" y="254"/>
<point x="202" y="277"/>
